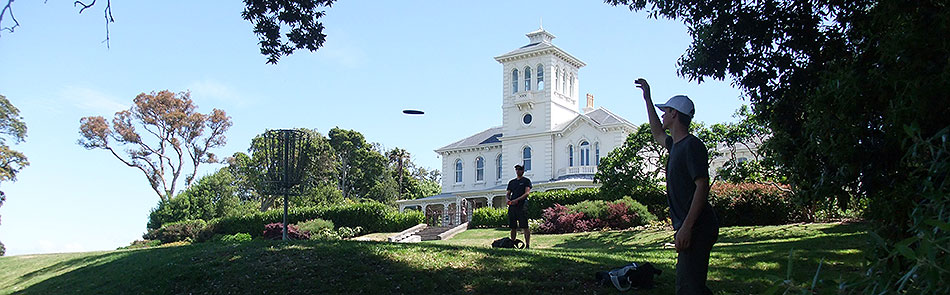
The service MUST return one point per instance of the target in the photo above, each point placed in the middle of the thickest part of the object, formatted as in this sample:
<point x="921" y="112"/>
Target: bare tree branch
<point x="9" y="10"/>
<point x="107" y="13"/>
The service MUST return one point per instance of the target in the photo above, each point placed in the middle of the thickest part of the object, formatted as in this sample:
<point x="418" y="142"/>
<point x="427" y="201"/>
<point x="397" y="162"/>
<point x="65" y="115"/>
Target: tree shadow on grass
<point x="264" y="267"/>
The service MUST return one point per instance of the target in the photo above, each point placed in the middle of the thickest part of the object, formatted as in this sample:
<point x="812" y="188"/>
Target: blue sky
<point x="380" y="57"/>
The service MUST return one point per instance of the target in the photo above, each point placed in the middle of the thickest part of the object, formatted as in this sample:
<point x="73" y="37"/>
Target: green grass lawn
<point x="746" y="260"/>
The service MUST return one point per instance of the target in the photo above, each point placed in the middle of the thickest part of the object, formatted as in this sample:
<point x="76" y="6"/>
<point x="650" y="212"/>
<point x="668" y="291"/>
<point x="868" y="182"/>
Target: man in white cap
<point x="687" y="189"/>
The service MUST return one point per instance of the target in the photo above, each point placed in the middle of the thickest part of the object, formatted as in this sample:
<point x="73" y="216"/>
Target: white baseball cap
<point x="680" y="103"/>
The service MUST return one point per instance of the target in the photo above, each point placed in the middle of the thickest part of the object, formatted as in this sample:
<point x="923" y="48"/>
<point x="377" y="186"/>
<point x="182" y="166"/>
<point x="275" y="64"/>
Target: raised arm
<point x="656" y="127"/>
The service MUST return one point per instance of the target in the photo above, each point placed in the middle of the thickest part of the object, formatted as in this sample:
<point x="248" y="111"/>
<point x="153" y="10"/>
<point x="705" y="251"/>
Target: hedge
<point x="371" y="216"/>
<point x="653" y="198"/>
<point x="753" y="204"/>
<point x="489" y="217"/>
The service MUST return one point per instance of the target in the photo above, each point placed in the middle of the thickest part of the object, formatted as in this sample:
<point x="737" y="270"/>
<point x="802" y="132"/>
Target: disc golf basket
<point x="285" y="163"/>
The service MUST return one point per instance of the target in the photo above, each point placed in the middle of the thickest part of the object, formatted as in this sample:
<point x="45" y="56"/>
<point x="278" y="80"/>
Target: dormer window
<point x="514" y="81"/>
<point x="527" y="78"/>
<point x="540" y="77"/>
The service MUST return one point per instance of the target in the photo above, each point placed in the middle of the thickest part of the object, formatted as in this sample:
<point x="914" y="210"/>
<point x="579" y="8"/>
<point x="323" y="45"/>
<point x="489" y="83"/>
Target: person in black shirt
<point x="518" y="190"/>
<point x="687" y="189"/>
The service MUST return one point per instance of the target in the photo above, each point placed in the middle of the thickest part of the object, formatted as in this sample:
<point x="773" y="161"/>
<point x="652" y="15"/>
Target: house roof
<point x="489" y="136"/>
<point x="600" y="116"/>
<point x="604" y="117"/>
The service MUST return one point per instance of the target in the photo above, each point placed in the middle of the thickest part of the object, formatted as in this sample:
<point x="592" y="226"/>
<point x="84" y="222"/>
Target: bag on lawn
<point x="507" y="243"/>
<point x="633" y="275"/>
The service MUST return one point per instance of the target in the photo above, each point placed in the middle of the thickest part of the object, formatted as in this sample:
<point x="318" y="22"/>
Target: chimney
<point x="590" y="103"/>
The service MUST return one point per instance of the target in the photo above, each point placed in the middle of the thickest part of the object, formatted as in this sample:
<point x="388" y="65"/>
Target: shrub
<point x="596" y="209"/>
<point x="275" y="231"/>
<point x="139" y="244"/>
<point x="371" y="216"/>
<point x="489" y="217"/>
<point x="644" y="214"/>
<point x="538" y="201"/>
<point x="753" y="204"/>
<point x="559" y="220"/>
<point x="348" y="232"/>
<point x="594" y="215"/>
<point x="315" y="225"/>
<point x="236" y="238"/>
<point x="395" y="221"/>
<point x="210" y="197"/>
<point x="188" y="230"/>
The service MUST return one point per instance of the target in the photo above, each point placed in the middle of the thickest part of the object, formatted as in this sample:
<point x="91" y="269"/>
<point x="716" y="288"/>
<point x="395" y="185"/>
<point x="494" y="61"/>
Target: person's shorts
<point x="517" y="217"/>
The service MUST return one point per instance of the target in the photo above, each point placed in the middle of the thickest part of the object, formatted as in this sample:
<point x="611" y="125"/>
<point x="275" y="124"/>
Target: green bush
<point x="538" y="201"/>
<point x="593" y="209"/>
<point x="638" y="209"/>
<point x="188" y="230"/>
<point x="315" y="225"/>
<point x="236" y="238"/>
<point x="396" y="221"/>
<point x="139" y="244"/>
<point x="211" y="196"/>
<point x="489" y="217"/>
<point x="753" y="204"/>
<point x="371" y="216"/>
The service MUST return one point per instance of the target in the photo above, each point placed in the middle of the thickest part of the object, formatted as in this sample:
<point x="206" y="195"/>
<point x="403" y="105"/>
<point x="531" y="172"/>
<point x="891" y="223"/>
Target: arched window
<point x="571" y="93"/>
<point x="479" y="169"/>
<point x="597" y="153"/>
<point x="540" y="77"/>
<point x="527" y="158"/>
<point x="498" y="167"/>
<point x="570" y="155"/>
<point x="557" y="72"/>
<point x="458" y="171"/>
<point x="585" y="153"/>
<point x="564" y="81"/>
<point x="514" y="81"/>
<point x="527" y="78"/>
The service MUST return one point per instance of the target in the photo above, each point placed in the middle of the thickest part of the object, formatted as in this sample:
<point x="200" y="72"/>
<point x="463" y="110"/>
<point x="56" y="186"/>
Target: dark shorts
<point x="517" y="217"/>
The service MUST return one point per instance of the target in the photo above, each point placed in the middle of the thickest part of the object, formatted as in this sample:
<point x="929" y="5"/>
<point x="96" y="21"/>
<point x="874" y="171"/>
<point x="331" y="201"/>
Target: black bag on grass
<point x="507" y="243"/>
<point x="633" y="275"/>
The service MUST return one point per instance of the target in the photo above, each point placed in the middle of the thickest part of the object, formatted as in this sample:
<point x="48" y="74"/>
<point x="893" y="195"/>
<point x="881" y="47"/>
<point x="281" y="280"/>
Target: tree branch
<point x="150" y="180"/>
<point x="107" y="13"/>
<point x="9" y="10"/>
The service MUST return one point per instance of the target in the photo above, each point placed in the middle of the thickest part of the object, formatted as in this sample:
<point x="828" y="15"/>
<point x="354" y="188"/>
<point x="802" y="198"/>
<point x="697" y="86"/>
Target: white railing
<point x="577" y="170"/>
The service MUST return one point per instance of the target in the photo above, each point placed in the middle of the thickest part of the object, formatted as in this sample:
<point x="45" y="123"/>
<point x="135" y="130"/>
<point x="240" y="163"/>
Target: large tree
<point x="11" y="161"/>
<point x="282" y="26"/>
<point x="173" y="138"/>
<point x="856" y="95"/>
<point x="361" y="166"/>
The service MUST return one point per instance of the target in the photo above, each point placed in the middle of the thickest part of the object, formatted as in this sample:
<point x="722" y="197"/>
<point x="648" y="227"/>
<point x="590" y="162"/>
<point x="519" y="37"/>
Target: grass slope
<point x="746" y="260"/>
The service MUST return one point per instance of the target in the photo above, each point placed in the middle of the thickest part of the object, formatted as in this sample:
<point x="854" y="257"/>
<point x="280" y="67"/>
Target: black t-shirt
<point x="688" y="161"/>
<point x="517" y="187"/>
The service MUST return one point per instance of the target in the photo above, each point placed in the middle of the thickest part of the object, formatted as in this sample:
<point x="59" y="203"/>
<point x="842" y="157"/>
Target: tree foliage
<point x="283" y="26"/>
<point x="361" y="166"/>
<point x="173" y="137"/>
<point x="11" y="161"/>
<point x="847" y="87"/>
<point x="629" y="168"/>
<point x="211" y="196"/>
<point x="248" y="171"/>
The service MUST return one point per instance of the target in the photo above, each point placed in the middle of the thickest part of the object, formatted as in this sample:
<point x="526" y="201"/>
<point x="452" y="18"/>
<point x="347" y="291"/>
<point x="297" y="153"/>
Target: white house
<point x="542" y="128"/>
